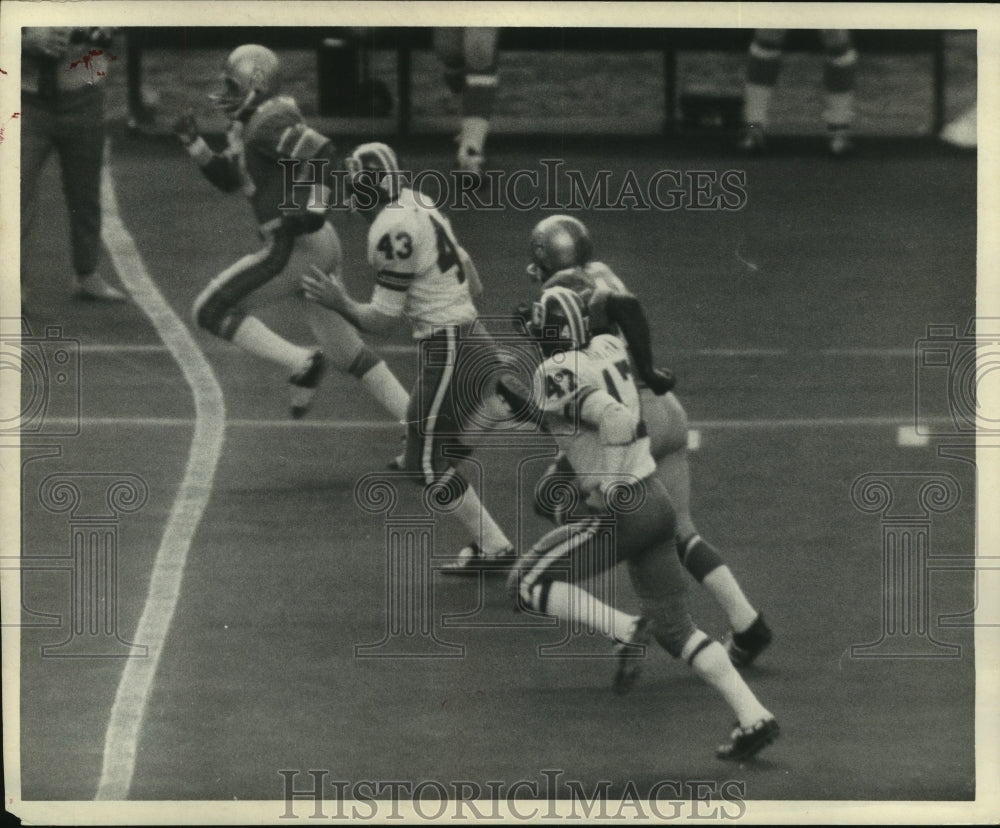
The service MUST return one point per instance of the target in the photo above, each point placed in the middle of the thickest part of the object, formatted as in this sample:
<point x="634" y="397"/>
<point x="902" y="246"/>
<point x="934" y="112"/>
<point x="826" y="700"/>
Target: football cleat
<point x="93" y="288"/>
<point x="304" y="384"/>
<point x="840" y="142"/>
<point x="472" y="560"/>
<point x="629" y="655"/>
<point x="747" y="742"/>
<point x="744" y="647"/>
<point x="752" y="140"/>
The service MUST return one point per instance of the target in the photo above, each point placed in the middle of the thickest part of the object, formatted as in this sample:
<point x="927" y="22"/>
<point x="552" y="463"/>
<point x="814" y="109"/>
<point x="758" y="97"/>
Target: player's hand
<point x="186" y="128"/>
<point x="326" y="289"/>
<point x="661" y="381"/>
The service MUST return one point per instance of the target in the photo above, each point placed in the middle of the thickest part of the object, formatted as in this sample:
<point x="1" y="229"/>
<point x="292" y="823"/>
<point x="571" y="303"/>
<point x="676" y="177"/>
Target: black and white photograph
<point x="499" y="412"/>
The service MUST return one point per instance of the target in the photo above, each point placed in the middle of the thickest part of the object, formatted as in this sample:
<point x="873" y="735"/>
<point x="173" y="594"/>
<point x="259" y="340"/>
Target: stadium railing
<point x="339" y="71"/>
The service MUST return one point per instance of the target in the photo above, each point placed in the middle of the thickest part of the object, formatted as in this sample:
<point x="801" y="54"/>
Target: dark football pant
<point x="73" y="125"/>
<point x="586" y="551"/>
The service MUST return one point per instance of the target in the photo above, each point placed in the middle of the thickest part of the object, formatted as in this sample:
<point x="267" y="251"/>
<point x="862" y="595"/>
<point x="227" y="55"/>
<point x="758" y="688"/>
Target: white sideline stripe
<point x="148" y="348"/>
<point x="122" y="737"/>
<point x="362" y="425"/>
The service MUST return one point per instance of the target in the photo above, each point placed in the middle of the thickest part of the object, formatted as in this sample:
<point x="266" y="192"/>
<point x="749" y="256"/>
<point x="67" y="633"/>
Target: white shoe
<point x="93" y="288"/>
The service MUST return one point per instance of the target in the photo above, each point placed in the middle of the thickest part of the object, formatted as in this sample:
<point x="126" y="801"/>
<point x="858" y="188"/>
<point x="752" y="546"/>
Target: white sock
<point x="722" y="586"/>
<point x="756" y="103"/>
<point x="571" y="602"/>
<point x="712" y="665"/>
<point x="480" y="524"/>
<point x="474" y="129"/>
<point x="382" y="384"/>
<point x="839" y="108"/>
<point x="254" y="337"/>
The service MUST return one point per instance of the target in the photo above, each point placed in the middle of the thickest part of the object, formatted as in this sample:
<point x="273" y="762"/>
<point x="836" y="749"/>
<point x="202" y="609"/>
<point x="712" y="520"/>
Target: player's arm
<point x="309" y="154"/>
<point x="219" y="168"/>
<point x="377" y="317"/>
<point x="626" y="311"/>
<point x="471" y="273"/>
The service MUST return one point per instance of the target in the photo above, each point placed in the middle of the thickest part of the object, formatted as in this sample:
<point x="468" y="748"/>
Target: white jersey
<point x="418" y="266"/>
<point x="563" y="382"/>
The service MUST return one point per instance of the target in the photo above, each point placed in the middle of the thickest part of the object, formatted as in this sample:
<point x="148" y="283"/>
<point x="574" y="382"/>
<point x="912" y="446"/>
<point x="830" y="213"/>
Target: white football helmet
<point x="250" y="76"/>
<point x="560" y="321"/>
<point x="373" y="175"/>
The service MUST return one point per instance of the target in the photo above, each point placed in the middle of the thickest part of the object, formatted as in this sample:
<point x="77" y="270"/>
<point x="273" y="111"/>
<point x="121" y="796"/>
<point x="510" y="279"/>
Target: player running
<point x="265" y="129"/>
<point x="591" y="404"/>
<point x="562" y="254"/>
<point x="424" y="275"/>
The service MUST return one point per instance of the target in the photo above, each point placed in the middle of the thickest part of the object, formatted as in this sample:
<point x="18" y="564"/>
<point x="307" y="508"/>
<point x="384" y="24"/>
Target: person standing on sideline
<point x="63" y="91"/>
<point x="469" y="58"/>
<point x="763" y="68"/>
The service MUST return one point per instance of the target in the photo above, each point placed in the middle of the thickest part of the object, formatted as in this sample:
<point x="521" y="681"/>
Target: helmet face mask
<point x="560" y="321"/>
<point x="558" y="242"/>
<point x="249" y="77"/>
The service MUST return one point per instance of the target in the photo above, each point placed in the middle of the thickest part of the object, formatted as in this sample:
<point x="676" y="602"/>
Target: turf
<point x="286" y="575"/>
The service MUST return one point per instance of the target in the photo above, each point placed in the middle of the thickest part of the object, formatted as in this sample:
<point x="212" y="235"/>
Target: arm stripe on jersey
<point x="394" y="281"/>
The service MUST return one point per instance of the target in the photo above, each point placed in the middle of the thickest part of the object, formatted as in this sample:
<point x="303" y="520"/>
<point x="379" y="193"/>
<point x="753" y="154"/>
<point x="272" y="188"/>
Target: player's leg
<point x="763" y="68"/>
<point x="340" y="341"/>
<point x="478" y="96"/>
<point x="838" y="81"/>
<point x="220" y="310"/>
<point x="448" y="48"/>
<point x="435" y="449"/>
<point x="80" y="145"/>
<point x="667" y="424"/>
<point x="37" y="123"/>
<point x="659" y="582"/>
<point x="550" y="574"/>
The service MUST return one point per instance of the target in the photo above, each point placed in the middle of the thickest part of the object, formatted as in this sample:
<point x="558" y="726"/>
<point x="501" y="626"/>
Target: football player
<point x="586" y="383"/>
<point x="469" y="57"/>
<point x="562" y="254"/>
<point x="266" y="128"/>
<point x="763" y="67"/>
<point x="423" y="275"/>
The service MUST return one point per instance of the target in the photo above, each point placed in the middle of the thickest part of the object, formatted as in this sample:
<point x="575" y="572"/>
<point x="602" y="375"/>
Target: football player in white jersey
<point x="562" y="254"/>
<point x="265" y="129"/>
<point x="423" y="275"/>
<point x="591" y="405"/>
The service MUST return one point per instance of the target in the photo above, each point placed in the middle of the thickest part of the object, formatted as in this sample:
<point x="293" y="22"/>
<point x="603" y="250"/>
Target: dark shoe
<point x="304" y="384"/>
<point x="744" y="647"/>
<point x="471" y="561"/>
<point x="747" y="742"/>
<point x="629" y="655"/>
